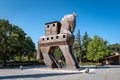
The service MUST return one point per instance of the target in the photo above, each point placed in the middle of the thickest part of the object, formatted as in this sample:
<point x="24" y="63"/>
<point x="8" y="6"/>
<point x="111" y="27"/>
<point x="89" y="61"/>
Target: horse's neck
<point x="65" y="28"/>
<point x="65" y="24"/>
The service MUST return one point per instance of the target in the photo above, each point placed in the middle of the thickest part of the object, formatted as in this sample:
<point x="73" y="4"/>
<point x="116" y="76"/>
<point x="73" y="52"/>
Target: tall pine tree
<point x="85" y="40"/>
<point x="77" y="47"/>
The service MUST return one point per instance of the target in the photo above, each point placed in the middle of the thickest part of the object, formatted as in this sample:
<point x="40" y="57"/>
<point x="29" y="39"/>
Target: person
<point x="60" y="63"/>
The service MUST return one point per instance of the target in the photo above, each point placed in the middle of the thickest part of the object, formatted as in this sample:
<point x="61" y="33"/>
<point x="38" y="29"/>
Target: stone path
<point x="36" y="73"/>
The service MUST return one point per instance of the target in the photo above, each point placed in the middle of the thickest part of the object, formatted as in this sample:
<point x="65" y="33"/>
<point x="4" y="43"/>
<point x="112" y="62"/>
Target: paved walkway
<point x="36" y="73"/>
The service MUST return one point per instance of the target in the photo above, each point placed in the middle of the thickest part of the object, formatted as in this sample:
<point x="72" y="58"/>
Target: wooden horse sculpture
<point x="58" y="34"/>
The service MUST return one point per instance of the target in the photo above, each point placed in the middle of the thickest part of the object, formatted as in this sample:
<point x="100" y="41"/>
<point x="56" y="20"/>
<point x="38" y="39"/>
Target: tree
<point x="17" y="40"/>
<point x="4" y="40"/>
<point x="13" y="42"/>
<point x="85" y="40"/>
<point x="114" y="47"/>
<point x="29" y="47"/>
<point x="97" y="49"/>
<point x="59" y="55"/>
<point x="77" y="47"/>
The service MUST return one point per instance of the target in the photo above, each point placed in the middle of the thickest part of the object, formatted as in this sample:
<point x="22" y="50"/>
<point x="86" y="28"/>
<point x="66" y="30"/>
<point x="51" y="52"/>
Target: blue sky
<point x="101" y="17"/>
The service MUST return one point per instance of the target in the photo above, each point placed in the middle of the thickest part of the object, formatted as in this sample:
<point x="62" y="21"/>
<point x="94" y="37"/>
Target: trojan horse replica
<point x="58" y="34"/>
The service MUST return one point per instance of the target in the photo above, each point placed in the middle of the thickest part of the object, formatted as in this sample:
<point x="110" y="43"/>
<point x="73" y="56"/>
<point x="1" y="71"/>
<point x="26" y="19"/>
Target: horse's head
<point x="71" y="20"/>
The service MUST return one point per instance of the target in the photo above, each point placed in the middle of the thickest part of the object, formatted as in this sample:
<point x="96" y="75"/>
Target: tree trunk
<point x="4" y="63"/>
<point x="28" y="57"/>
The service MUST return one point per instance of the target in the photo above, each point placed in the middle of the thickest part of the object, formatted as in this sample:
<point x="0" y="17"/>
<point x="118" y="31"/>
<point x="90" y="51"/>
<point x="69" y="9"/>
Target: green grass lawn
<point x="91" y="63"/>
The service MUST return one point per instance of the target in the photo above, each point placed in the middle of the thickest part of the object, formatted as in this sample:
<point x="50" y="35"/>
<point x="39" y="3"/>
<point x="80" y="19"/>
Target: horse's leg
<point x="54" y="60"/>
<point x="39" y="54"/>
<point x="69" y="57"/>
<point x="47" y="59"/>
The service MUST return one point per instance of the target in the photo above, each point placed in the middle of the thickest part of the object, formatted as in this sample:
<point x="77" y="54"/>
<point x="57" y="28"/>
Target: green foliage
<point x="59" y="55"/>
<point x="114" y="47"/>
<point x="77" y="47"/>
<point x="5" y="28"/>
<point x="97" y="49"/>
<point x="29" y="47"/>
<point x="85" y="41"/>
<point x="91" y="63"/>
<point x="13" y="42"/>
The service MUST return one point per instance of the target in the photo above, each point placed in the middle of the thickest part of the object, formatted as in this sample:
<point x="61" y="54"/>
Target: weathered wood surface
<point x="58" y="34"/>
